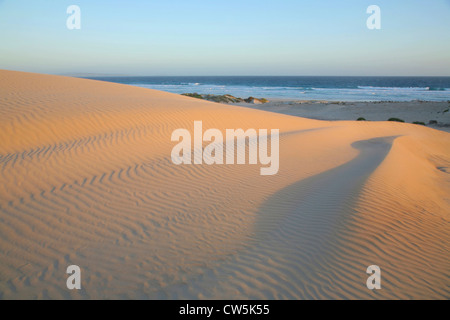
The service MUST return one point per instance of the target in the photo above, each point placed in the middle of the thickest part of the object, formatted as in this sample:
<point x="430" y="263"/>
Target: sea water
<point x="301" y="87"/>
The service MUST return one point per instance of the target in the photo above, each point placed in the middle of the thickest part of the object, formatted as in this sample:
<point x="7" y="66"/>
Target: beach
<point x="87" y="179"/>
<point x="434" y="114"/>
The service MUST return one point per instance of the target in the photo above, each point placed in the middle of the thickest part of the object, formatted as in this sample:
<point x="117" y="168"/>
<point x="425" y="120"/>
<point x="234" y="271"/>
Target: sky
<point x="226" y="37"/>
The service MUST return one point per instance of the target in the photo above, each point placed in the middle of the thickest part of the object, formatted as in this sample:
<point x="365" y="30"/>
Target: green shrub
<point x="396" y="119"/>
<point x="361" y="119"/>
<point x="227" y="98"/>
<point x="419" y="122"/>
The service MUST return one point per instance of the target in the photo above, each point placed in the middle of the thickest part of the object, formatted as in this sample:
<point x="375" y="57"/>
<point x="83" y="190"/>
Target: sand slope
<point x="87" y="179"/>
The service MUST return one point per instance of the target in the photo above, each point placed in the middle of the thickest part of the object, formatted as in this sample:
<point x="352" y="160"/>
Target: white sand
<point x="411" y="111"/>
<point x="87" y="179"/>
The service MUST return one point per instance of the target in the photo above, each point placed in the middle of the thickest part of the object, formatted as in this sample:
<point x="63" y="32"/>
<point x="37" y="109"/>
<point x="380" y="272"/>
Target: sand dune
<point x="87" y="179"/>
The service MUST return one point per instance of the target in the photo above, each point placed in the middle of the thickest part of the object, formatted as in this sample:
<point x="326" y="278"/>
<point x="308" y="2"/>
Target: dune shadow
<point x="324" y="196"/>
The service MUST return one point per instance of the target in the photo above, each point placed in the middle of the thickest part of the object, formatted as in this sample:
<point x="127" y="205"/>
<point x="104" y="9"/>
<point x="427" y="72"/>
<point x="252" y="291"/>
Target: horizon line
<point x="94" y="74"/>
<point x="350" y="76"/>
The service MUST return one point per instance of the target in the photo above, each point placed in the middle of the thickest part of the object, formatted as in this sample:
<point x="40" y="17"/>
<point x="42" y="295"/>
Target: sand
<point x="411" y="111"/>
<point x="87" y="179"/>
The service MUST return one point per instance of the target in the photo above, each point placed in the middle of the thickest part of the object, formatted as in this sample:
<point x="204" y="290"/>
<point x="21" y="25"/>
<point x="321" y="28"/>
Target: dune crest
<point x="87" y="179"/>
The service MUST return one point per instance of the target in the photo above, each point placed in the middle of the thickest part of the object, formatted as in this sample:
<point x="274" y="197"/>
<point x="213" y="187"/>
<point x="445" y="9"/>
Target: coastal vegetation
<point x="226" y="98"/>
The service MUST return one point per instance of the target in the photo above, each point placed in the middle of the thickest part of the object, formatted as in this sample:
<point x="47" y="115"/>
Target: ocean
<point x="301" y="87"/>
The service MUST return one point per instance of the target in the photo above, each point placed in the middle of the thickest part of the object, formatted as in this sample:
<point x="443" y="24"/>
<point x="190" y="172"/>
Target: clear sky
<point x="226" y="37"/>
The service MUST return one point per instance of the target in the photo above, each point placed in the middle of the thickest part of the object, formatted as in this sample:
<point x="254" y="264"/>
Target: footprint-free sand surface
<point x="87" y="179"/>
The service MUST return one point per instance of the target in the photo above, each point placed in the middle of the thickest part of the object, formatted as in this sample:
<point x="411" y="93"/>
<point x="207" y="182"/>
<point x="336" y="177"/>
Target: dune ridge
<point x="87" y="179"/>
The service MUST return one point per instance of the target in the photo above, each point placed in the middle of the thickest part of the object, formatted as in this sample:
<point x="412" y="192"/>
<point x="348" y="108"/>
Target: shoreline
<point x="434" y="114"/>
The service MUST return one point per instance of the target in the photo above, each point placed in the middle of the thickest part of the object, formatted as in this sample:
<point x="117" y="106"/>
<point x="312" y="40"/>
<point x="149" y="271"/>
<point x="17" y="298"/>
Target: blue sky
<point x="226" y="37"/>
